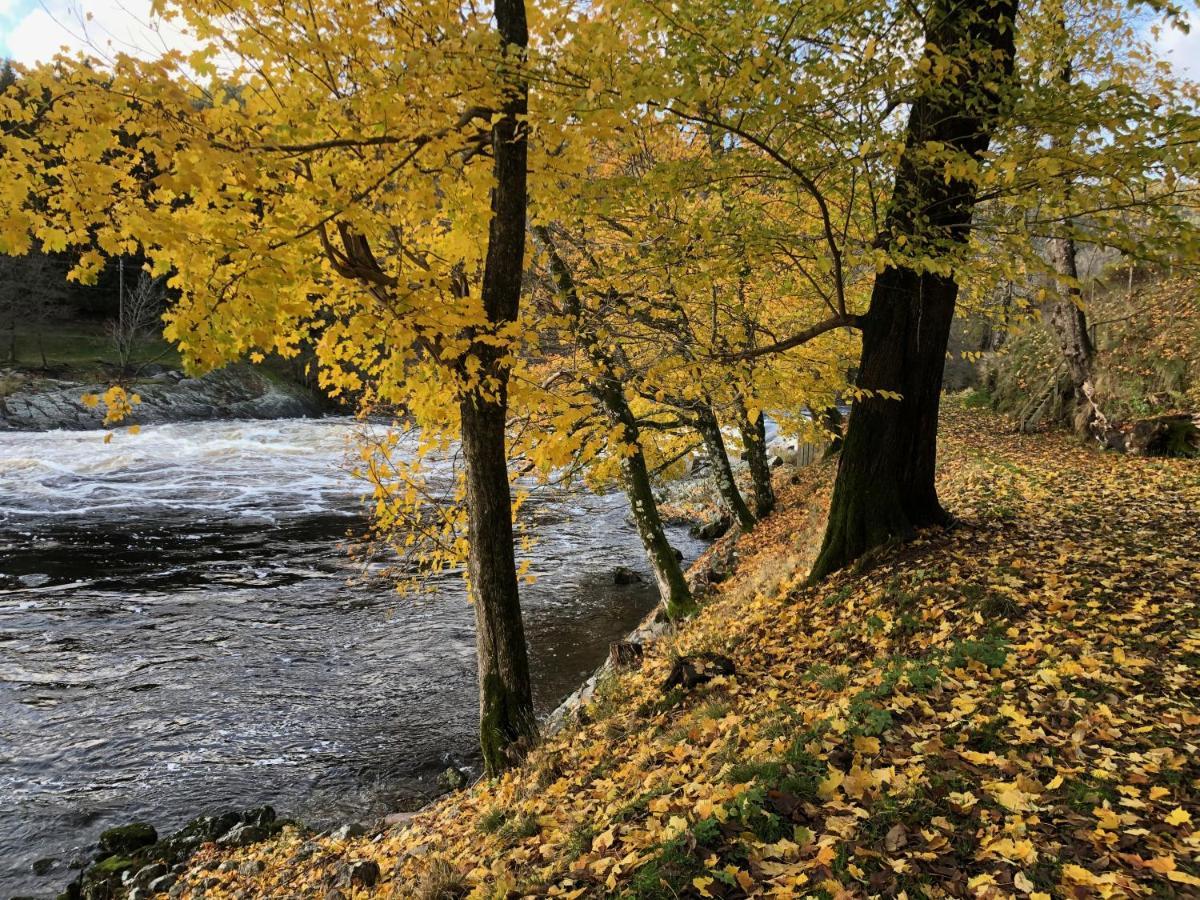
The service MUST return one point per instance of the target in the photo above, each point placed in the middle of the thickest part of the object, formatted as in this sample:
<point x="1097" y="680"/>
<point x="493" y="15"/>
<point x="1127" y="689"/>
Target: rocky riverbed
<point x="32" y="402"/>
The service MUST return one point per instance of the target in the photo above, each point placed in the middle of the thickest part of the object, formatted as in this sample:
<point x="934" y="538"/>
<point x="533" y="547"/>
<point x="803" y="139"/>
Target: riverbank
<point x="31" y="401"/>
<point x="1005" y="708"/>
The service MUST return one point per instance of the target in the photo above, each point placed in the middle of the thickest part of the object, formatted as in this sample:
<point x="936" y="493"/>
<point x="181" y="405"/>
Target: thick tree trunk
<point x="718" y="457"/>
<point x="606" y="387"/>
<point x="885" y="482"/>
<point x="754" y="439"/>
<point x="506" y="719"/>
<point x="1068" y="322"/>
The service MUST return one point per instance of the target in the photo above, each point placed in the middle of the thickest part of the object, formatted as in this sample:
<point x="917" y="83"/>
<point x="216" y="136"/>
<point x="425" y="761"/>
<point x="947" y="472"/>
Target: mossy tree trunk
<point x="507" y="724"/>
<point x="1067" y="320"/>
<point x="606" y="388"/>
<point x="718" y="457"/>
<point x="754" y="439"/>
<point x="885" y="482"/>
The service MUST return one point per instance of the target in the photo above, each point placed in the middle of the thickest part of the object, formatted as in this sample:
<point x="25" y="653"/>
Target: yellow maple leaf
<point x="1177" y="816"/>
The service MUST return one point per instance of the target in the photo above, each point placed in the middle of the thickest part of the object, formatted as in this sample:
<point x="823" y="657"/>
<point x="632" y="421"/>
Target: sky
<point x="32" y="30"/>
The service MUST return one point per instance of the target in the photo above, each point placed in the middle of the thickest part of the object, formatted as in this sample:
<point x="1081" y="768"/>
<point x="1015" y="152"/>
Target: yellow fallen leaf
<point x="1177" y="816"/>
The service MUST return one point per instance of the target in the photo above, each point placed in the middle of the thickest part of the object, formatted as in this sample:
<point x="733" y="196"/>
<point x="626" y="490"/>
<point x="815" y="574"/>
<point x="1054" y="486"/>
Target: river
<point x="182" y="631"/>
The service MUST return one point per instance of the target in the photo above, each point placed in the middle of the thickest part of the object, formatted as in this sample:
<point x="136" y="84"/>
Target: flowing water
<point x="182" y="631"/>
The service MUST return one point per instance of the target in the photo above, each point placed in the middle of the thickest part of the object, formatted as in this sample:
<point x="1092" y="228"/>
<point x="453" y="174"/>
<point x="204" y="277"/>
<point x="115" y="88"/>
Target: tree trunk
<point x="885" y="482"/>
<point x="714" y="445"/>
<point x="606" y="388"/>
<point x="506" y="719"/>
<point x="1068" y="322"/>
<point x="754" y="439"/>
<point x="668" y="573"/>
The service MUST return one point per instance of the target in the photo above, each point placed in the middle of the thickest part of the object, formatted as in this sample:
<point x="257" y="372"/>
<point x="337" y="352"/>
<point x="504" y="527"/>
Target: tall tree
<point x="885" y="481"/>
<point x="506" y="717"/>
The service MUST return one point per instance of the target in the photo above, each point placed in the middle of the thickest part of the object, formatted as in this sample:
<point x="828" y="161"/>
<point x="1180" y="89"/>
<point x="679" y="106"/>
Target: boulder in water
<point x="626" y="575"/>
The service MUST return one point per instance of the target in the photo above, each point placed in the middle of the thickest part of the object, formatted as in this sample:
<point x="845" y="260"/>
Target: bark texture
<point x="507" y="724"/>
<point x="885" y="482"/>
<point x="754" y="439"/>
<point x="718" y="457"/>
<point x="1068" y="322"/>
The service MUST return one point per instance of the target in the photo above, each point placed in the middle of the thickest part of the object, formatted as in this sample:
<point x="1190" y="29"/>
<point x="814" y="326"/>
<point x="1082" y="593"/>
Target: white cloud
<point x="100" y="27"/>
<point x="1182" y="50"/>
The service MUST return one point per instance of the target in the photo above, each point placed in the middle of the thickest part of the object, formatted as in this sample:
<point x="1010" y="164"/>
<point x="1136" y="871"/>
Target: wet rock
<point x="348" y="831"/>
<point x="697" y="669"/>
<point x="127" y="838"/>
<point x="626" y="575"/>
<point x="710" y="531"/>
<point x="362" y="873"/>
<point x="678" y="554"/>
<point x="44" y="865"/>
<point x="453" y="779"/>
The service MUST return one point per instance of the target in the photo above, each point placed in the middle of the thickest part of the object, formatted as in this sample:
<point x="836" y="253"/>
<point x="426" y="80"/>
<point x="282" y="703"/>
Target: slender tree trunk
<point x="673" y="591"/>
<point x="718" y="457"/>
<point x="506" y="719"/>
<point x="754" y="439"/>
<point x="668" y="573"/>
<point x="885" y="482"/>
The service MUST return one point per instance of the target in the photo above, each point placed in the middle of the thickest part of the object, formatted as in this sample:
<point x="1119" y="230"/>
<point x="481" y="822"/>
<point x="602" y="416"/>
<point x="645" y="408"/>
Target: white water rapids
<point x="180" y="633"/>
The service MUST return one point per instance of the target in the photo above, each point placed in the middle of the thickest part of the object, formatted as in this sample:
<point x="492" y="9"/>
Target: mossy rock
<point x="127" y="838"/>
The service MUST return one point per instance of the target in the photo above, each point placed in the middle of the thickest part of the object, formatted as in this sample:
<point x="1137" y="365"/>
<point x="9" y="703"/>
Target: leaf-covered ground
<point x="1010" y="708"/>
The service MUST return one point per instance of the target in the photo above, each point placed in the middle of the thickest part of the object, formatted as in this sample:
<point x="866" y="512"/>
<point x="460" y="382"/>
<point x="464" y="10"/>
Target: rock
<point x="127" y="838"/>
<point x="398" y="819"/>
<point x="147" y="874"/>
<point x="252" y="867"/>
<point x="626" y="575"/>
<point x="243" y="835"/>
<point x="348" y="831"/>
<point x="453" y="779"/>
<point x="625" y="654"/>
<point x="678" y="554"/>
<point x="696" y="669"/>
<point x="235" y="392"/>
<point x="44" y="865"/>
<point x="178" y="889"/>
<point x="227" y="866"/>
<point x="162" y="883"/>
<point x="712" y="530"/>
<point x="362" y="873"/>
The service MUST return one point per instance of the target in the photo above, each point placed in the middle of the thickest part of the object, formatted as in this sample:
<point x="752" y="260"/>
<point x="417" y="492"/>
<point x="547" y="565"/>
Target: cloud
<point x="1182" y="50"/>
<point x="32" y="31"/>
